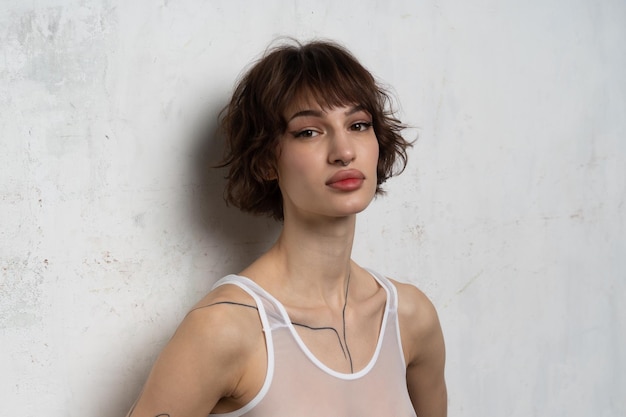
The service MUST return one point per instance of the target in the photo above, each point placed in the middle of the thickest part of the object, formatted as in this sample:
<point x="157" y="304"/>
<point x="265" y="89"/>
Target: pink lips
<point x="346" y="180"/>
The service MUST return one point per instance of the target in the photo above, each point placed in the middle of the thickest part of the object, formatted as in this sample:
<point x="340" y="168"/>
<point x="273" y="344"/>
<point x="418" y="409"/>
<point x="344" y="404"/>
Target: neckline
<point x="341" y="375"/>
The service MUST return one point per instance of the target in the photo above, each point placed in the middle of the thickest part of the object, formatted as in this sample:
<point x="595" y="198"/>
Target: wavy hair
<point x="253" y="120"/>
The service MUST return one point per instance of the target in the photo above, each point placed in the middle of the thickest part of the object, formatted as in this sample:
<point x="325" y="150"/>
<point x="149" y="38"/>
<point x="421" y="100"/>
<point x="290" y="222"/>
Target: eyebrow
<point x="320" y="113"/>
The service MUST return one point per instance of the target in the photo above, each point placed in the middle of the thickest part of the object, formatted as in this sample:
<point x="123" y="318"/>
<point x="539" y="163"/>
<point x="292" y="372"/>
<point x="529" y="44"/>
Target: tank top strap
<point x="269" y="307"/>
<point x="392" y="292"/>
<point x="274" y="310"/>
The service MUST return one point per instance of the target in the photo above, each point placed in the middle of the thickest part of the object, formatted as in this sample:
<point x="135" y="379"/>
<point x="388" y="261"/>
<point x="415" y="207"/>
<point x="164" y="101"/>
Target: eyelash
<point x="306" y="133"/>
<point x="365" y="126"/>
<point x="309" y="133"/>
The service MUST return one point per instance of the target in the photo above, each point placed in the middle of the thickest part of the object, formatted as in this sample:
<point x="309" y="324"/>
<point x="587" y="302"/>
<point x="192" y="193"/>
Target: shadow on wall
<point x="231" y="238"/>
<point x="237" y="237"/>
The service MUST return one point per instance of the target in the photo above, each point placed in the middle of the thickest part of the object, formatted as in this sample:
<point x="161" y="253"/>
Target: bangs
<point x="290" y="76"/>
<point x="330" y="78"/>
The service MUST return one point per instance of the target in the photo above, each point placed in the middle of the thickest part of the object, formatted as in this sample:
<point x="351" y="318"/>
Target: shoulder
<point x="413" y="303"/>
<point x="418" y="320"/>
<point x="223" y="325"/>
<point x="207" y="358"/>
<point x="226" y="319"/>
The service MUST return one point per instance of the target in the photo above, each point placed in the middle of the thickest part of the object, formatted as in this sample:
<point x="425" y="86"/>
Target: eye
<point x="306" y="133"/>
<point x="360" y="126"/>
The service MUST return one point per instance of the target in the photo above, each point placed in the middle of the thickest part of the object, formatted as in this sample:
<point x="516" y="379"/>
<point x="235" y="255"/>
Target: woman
<point x="304" y="330"/>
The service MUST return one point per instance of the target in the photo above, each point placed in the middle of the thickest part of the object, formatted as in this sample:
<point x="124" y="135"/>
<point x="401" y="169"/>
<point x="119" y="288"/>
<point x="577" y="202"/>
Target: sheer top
<point x="297" y="384"/>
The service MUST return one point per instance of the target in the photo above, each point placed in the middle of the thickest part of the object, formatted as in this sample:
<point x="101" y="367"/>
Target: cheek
<point x="374" y="152"/>
<point x="375" y="160"/>
<point x="292" y="167"/>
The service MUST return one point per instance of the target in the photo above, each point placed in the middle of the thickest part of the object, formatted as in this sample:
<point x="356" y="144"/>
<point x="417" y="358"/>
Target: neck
<point x="313" y="258"/>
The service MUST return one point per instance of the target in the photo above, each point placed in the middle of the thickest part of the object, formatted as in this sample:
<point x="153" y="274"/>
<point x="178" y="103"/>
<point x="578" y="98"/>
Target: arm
<point x="207" y="360"/>
<point x="424" y="351"/>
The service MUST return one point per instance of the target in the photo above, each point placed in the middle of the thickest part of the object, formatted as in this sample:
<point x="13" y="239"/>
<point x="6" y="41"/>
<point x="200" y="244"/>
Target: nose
<point x="342" y="150"/>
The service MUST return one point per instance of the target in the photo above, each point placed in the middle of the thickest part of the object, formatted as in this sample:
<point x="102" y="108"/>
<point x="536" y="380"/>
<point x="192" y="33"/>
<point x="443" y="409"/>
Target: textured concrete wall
<point x="510" y="215"/>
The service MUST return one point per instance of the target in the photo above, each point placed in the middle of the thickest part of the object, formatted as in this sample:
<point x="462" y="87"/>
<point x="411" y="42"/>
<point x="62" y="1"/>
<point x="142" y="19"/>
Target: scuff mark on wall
<point x="470" y="282"/>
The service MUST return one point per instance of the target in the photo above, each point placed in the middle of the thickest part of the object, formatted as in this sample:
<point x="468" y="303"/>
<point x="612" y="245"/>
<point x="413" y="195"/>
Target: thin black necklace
<point x="344" y="345"/>
<point x="343" y="319"/>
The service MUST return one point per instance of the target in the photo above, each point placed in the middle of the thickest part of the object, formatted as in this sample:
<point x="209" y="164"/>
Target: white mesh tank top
<point x="297" y="384"/>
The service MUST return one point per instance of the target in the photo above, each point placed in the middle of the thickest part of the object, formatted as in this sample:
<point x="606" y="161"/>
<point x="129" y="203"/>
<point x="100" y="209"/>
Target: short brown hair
<point x="254" y="119"/>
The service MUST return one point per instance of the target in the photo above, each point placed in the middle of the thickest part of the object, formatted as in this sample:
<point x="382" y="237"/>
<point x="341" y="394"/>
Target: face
<point x="327" y="160"/>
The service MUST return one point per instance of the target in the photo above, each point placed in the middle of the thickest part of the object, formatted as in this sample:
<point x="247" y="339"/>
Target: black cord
<point x="225" y="302"/>
<point x="344" y="345"/>
<point x="343" y="317"/>
<point x="324" y="328"/>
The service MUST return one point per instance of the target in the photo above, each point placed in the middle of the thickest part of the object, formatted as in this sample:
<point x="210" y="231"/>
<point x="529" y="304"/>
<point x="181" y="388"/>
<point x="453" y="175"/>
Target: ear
<point x="270" y="175"/>
<point x="269" y="171"/>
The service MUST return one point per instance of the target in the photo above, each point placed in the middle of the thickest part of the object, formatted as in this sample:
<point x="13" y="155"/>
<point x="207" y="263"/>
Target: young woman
<point x="304" y="330"/>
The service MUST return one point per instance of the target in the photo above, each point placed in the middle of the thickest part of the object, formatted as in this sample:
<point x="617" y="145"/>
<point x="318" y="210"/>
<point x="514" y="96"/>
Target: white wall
<point x="511" y="214"/>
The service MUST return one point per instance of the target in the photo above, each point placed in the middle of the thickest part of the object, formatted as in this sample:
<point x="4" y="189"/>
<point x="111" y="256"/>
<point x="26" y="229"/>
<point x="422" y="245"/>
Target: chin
<point x="355" y="209"/>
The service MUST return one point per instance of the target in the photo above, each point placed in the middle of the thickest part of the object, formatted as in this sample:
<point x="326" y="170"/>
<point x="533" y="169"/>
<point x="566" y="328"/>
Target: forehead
<point x="306" y="101"/>
<point x="302" y="104"/>
<point x="315" y="110"/>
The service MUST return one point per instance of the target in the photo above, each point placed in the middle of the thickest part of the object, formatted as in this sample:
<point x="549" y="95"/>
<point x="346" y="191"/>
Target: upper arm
<point x="424" y="349"/>
<point x="202" y="363"/>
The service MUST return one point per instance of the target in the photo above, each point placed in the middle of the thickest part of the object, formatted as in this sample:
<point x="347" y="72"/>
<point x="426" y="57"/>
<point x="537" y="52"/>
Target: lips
<point x="346" y="180"/>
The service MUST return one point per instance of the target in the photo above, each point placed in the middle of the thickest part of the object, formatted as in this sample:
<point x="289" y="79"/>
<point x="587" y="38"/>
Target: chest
<point x="298" y="383"/>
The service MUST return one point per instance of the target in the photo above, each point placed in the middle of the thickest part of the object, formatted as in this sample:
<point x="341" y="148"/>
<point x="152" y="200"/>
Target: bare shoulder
<point x="419" y="322"/>
<point x="227" y="311"/>
<point x="424" y="351"/>
<point x="205" y="360"/>
<point x="414" y="305"/>
<point x="224" y="327"/>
